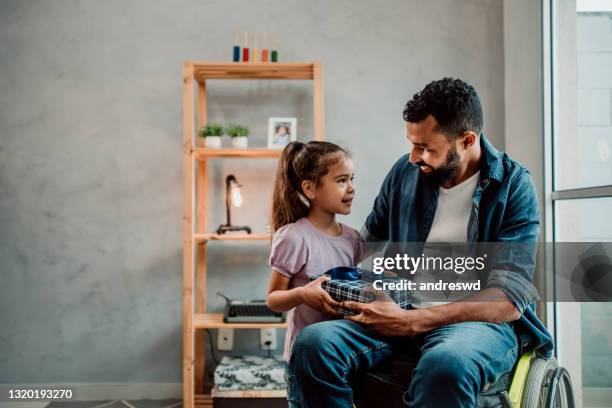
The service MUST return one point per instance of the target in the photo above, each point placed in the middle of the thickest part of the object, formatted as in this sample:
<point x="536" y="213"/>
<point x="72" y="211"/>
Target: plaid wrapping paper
<point x="361" y="290"/>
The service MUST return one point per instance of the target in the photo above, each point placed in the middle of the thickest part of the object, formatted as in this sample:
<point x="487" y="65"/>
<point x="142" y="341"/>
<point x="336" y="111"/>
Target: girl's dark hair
<point x="299" y="162"/>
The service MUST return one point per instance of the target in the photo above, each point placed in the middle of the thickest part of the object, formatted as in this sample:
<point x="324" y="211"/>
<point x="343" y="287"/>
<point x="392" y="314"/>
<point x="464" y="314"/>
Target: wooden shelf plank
<point x="215" y="321"/>
<point x="200" y="238"/>
<point x="202" y="153"/>
<point x="203" y="401"/>
<point x="253" y="70"/>
<point x="215" y="393"/>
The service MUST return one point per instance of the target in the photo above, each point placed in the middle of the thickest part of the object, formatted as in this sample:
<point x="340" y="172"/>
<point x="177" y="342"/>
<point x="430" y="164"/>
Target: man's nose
<point x="414" y="157"/>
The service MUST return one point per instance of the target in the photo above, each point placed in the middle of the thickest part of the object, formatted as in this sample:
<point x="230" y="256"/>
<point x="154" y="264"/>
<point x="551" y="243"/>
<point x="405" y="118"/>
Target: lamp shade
<point x="236" y="196"/>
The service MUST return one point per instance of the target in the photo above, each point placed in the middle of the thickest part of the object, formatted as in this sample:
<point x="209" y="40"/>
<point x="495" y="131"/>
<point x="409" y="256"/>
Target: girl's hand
<point x="314" y="296"/>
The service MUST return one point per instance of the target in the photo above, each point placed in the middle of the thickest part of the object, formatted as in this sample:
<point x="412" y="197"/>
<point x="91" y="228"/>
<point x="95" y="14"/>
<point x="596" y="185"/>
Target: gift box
<point x="250" y="373"/>
<point x="358" y="285"/>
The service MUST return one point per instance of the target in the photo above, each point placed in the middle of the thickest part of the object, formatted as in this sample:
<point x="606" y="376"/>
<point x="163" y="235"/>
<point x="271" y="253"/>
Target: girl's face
<point x="335" y="191"/>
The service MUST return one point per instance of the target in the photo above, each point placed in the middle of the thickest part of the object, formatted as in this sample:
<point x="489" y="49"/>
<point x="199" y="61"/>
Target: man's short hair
<point x="453" y="103"/>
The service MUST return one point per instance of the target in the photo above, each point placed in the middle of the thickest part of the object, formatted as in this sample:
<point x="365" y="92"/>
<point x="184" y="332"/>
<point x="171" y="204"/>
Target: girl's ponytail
<point x="287" y="205"/>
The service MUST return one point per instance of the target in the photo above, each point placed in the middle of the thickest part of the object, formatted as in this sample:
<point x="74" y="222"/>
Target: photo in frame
<point x="281" y="131"/>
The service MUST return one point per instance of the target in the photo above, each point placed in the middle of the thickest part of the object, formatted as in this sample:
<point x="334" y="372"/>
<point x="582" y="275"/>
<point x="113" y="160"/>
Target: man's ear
<point x="468" y="139"/>
<point x="308" y="187"/>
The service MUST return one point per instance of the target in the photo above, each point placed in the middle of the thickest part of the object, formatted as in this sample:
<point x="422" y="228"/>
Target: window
<point x="578" y="79"/>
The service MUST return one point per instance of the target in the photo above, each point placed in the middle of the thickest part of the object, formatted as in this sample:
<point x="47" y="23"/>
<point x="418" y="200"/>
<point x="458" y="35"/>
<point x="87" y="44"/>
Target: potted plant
<point x="239" y="135"/>
<point x="211" y="133"/>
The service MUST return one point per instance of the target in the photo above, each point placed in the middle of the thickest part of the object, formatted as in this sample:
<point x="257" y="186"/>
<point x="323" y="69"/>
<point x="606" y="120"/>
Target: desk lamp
<point x="232" y="198"/>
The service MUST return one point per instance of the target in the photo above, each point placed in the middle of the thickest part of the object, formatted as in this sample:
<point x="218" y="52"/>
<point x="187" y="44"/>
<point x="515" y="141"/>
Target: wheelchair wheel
<point x="537" y="383"/>
<point x="560" y="391"/>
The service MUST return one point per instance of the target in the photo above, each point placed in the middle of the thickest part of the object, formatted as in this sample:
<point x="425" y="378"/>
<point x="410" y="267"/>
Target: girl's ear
<point x="308" y="188"/>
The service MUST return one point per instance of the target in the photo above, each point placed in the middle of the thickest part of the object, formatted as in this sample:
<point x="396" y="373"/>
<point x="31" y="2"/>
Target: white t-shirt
<point x="453" y="212"/>
<point x="450" y="224"/>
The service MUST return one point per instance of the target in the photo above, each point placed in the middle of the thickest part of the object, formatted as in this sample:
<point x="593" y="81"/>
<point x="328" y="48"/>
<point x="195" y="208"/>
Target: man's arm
<point x="376" y="226"/>
<point x="490" y="305"/>
<point x="370" y="244"/>
<point x="517" y="244"/>
<point x="386" y="317"/>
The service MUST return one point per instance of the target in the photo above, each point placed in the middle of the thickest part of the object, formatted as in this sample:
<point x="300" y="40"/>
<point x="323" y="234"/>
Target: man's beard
<point x="447" y="171"/>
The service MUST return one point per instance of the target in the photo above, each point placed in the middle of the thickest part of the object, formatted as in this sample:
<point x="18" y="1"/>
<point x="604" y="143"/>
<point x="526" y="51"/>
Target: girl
<point x="314" y="182"/>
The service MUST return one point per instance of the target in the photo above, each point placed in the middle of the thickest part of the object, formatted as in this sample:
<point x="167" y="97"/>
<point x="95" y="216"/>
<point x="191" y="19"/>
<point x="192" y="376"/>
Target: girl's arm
<point x="283" y="299"/>
<point x="280" y="297"/>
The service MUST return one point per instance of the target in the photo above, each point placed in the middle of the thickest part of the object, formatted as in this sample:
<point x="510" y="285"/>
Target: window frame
<point x="562" y="317"/>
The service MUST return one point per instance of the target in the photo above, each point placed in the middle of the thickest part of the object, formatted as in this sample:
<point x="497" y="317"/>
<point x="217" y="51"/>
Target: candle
<point x="255" y="50"/>
<point x="237" y="47"/>
<point x="274" y="53"/>
<point x="264" y="51"/>
<point x="245" y="48"/>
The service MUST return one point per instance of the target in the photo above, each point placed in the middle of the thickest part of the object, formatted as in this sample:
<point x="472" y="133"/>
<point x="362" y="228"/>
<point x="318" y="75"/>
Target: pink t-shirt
<point x="301" y="251"/>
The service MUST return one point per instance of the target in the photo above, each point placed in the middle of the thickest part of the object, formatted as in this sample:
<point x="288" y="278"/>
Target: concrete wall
<point x="524" y="138"/>
<point x="91" y="160"/>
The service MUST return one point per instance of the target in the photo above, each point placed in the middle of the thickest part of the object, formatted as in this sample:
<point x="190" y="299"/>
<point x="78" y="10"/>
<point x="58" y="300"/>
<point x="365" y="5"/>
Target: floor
<point x="145" y="403"/>
<point x="119" y="404"/>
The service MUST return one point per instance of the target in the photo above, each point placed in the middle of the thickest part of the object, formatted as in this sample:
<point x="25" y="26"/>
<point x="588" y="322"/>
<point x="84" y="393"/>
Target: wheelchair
<point x="533" y="383"/>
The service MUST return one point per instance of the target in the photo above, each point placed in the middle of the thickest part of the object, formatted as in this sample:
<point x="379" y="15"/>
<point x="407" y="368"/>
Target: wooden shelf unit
<point x="250" y="393"/>
<point x="195" y="237"/>
<point x="202" y="238"/>
<point x="203" y="153"/>
<point x="215" y="321"/>
<point x="255" y="70"/>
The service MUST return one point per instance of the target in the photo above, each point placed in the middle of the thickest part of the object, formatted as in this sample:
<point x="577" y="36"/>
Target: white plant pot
<point x="214" y="142"/>
<point x="240" y="142"/>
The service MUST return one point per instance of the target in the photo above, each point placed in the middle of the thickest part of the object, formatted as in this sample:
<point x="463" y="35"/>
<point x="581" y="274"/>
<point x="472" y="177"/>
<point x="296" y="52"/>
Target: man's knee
<point x="311" y="340"/>
<point x="320" y="362"/>
<point x="446" y="366"/>
<point x="319" y="346"/>
<point x="445" y="377"/>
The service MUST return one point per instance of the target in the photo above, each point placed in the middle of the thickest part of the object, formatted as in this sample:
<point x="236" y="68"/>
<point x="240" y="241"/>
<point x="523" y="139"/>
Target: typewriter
<point x="253" y="311"/>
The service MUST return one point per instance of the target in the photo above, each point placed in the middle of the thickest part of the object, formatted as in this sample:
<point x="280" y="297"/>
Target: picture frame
<point x="281" y="131"/>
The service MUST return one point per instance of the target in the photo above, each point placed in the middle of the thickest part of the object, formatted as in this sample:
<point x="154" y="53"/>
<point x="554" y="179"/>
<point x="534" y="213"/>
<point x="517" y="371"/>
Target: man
<point x="452" y="187"/>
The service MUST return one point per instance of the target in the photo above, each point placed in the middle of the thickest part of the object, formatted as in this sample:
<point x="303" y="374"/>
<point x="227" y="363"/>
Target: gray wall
<point x="524" y="126"/>
<point x="91" y="160"/>
<point x="524" y="114"/>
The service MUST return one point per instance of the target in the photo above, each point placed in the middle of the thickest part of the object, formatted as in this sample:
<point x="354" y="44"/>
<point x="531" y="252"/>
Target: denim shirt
<point x="504" y="209"/>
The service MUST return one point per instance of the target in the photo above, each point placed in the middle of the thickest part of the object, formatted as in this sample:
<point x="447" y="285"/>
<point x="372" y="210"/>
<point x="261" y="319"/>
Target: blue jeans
<point x="457" y="361"/>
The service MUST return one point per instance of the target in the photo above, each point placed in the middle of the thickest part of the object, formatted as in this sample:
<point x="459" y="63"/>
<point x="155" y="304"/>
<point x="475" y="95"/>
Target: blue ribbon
<point x="344" y="273"/>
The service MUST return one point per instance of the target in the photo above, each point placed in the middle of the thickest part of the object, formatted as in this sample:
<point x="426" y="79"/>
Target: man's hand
<point x="386" y="318"/>
<point x="314" y="296"/>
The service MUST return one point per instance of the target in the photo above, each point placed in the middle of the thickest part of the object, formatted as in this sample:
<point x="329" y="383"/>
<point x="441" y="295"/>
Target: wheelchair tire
<point x="536" y="384"/>
<point x="560" y="391"/>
